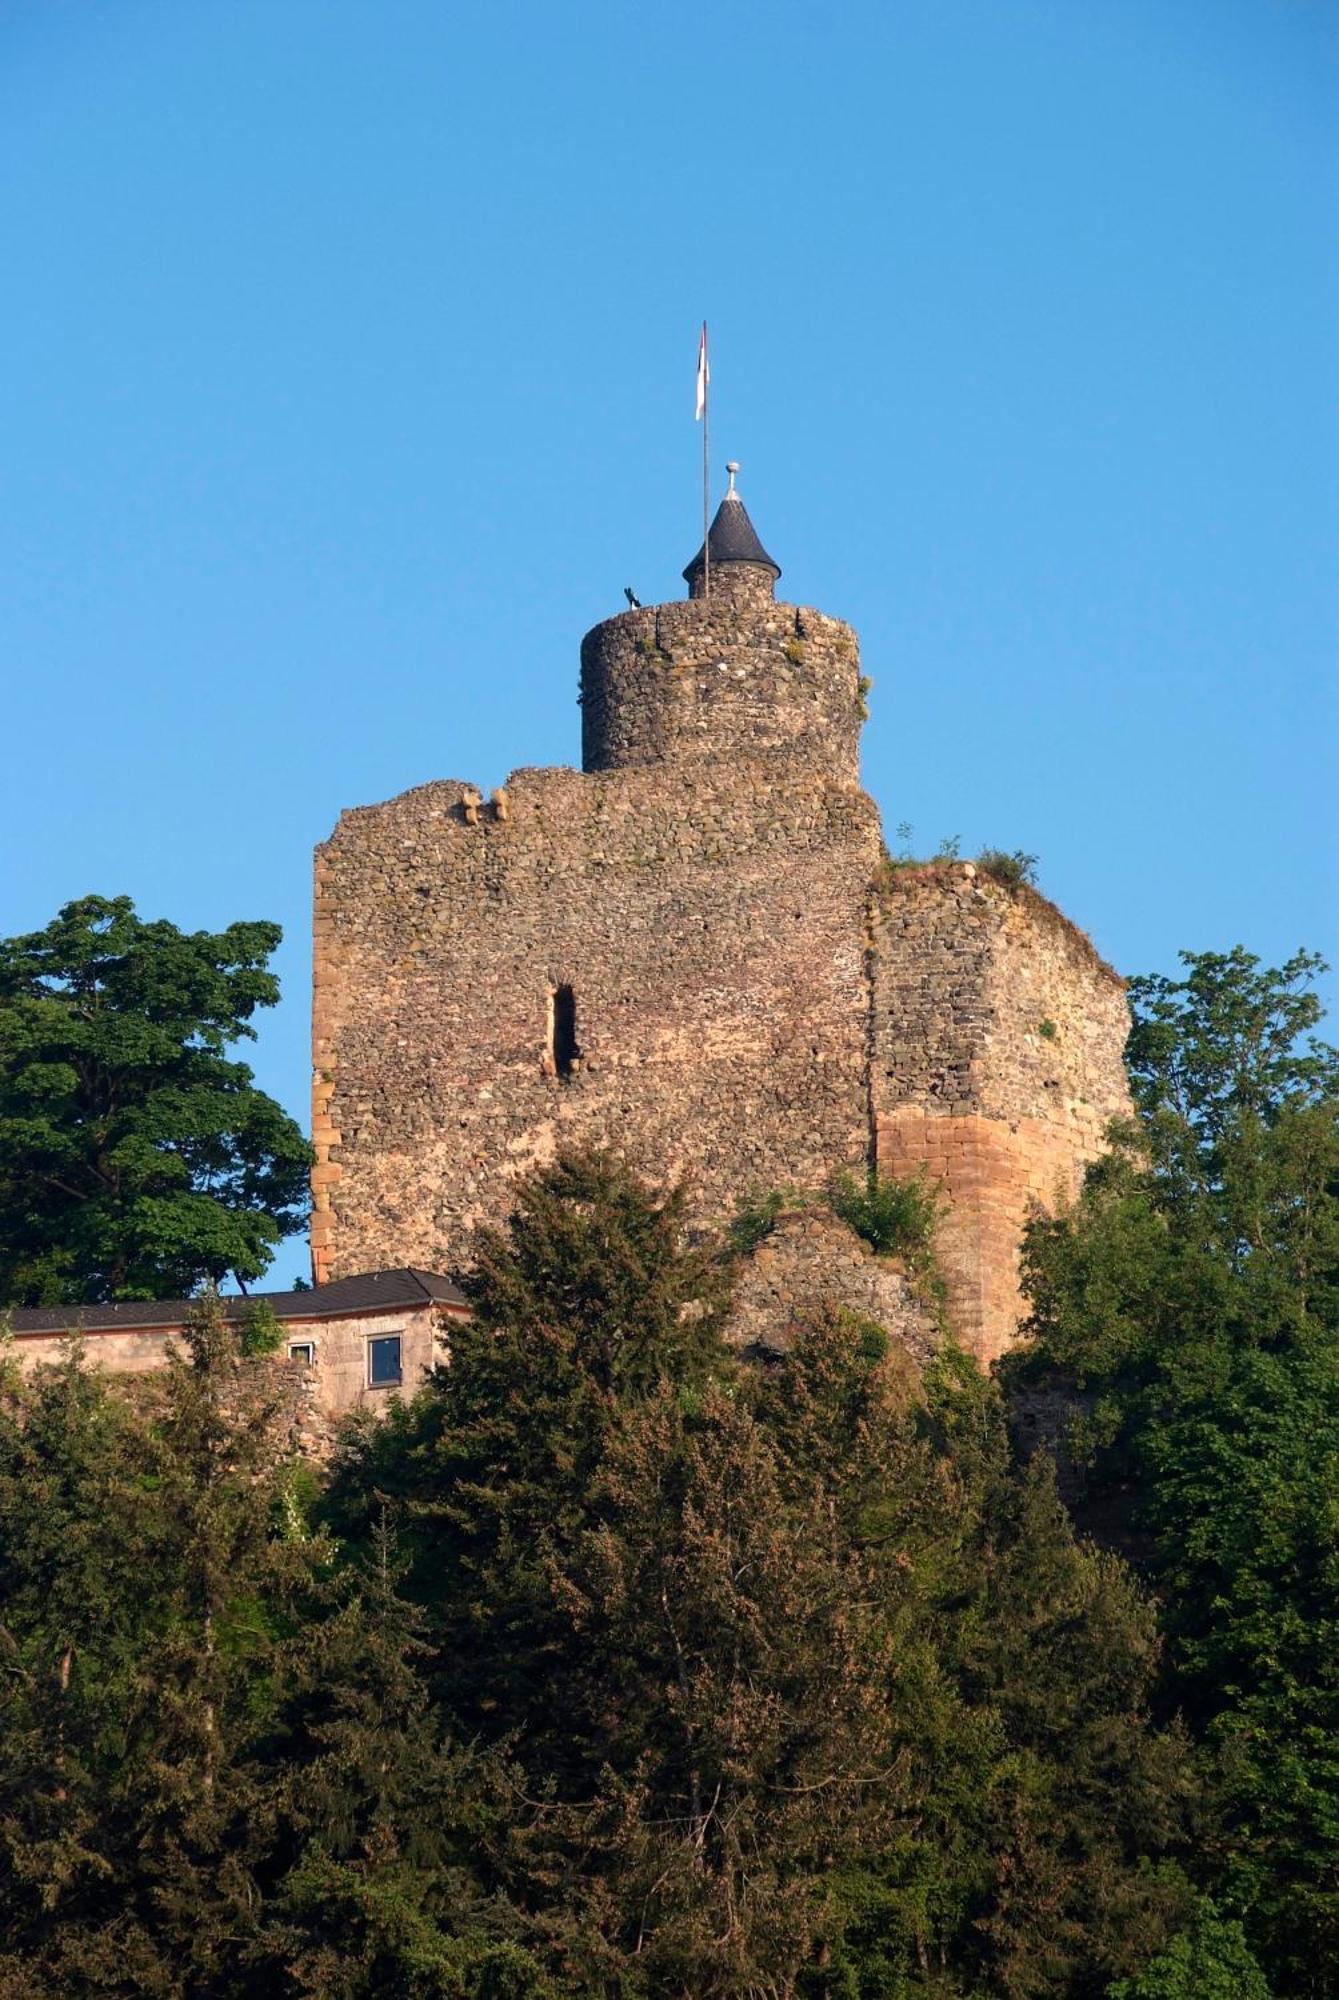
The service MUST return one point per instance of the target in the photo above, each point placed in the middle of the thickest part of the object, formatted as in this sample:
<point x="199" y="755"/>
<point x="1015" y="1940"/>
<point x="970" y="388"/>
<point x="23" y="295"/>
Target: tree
<point x="583" y="1306"/>
<point x="1039" y="1807"/>
<point x="1189" y="1303"/>
<point x="802" y="1689"/>
<point x="136" y="1157"/>
<point x="1209" y="1960"/>
<point x="218" y="1771"/>
<point x="734" y="1715"/>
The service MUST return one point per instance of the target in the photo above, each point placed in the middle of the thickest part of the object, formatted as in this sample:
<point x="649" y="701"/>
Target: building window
<point x="563" y="1052"/>
<point x="383" y="1362"/>
<point x="303" y="1351"/>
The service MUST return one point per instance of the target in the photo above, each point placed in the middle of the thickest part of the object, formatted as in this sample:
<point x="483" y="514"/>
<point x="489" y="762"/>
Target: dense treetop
<point x="137" y="1158"/>
<point x="1189" y="1305"/>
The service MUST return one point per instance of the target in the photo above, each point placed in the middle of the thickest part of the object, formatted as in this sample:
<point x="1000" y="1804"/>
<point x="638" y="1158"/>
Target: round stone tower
<point x="728" y="674"/>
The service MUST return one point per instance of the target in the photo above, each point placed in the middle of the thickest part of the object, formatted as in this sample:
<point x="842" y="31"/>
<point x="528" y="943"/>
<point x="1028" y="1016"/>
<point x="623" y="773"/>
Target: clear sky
<point x="347" y="363"/>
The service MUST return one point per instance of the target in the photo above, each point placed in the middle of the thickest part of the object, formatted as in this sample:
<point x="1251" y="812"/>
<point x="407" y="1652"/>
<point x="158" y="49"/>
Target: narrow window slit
<point x="563" y="1051"/>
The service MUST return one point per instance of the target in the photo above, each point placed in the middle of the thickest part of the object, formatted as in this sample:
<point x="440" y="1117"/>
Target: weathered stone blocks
<point x="709" y="679"/>
<point x="997" y="1043"/>
<point x="695" y="951"/>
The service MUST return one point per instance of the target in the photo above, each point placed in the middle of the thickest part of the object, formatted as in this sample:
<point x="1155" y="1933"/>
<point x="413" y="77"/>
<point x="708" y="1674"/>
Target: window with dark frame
<point x="383" y="1361"/>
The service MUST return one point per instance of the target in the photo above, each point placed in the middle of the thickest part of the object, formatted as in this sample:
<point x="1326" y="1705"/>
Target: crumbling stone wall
<point x="757" y="995"/>
<point x="710" y="923"/>
<point x="997" y="1040"/>
<point x="812" y="1262"/>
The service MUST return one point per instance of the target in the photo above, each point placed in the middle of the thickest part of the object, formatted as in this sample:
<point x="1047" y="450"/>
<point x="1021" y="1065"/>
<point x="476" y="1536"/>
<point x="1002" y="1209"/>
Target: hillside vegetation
<point x="612" y="1665"/>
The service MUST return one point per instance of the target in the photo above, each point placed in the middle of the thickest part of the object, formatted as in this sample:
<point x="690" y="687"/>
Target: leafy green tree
<point x="379" y="1816"/>
<point x="734" y="1712"/>
<point x="164" y="1673"/>
<point x="71" y="1542"/>
<point x="1189" y="1305"/>
<point x="802" y="1689"/>
<point x="136" y="1157"/>
<point x="1209" y="1960"/>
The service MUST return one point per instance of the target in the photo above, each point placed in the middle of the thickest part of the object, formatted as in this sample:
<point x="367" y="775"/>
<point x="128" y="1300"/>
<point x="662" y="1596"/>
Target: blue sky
<point x="347" y="364"/>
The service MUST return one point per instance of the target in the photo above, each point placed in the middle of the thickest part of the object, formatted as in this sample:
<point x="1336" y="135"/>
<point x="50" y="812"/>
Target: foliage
<point x="896" y="1217"/>
<point x="219" y="1774"/>
<point x="800" y="1688"/>
<point x="1209" y="1960"/>
<point x="583" y="1308"/>
<point x="1014" y="870"/>
<point x="755" y="1219"/>
<point x="261" y="1330"/>
<point x="948" y="849"/>
<point x="609" y="1667"/>
<point x="136" y="1157"/>
<point x="1192" y="1297"/>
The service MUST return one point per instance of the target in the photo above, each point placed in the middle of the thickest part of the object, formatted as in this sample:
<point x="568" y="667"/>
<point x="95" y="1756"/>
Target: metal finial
<point x="732" y="468"/>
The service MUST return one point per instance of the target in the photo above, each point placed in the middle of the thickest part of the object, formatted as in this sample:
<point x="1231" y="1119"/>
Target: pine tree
<point x="1038" y="1796"/>
<point x="731" y="1690"/>
<point x="381" y="1820"/>
<point x="584" y="1305"/>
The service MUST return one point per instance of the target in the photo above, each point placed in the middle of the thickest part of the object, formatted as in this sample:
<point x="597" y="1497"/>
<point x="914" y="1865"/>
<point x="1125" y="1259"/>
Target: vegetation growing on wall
<point x="1011" y="870"/>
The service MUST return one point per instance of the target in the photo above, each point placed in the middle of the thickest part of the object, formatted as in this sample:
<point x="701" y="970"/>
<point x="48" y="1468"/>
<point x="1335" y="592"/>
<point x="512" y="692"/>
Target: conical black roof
<point x="732" y="538"/>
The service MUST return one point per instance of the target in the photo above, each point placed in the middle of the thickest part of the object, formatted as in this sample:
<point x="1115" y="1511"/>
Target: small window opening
<point x="303" y="1351"/>
<point x="383" y="1362"/>
<point x="563" y="1052"/>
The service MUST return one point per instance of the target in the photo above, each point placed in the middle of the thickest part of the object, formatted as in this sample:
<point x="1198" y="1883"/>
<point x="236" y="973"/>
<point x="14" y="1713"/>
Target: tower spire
<point x="732" y="551"/>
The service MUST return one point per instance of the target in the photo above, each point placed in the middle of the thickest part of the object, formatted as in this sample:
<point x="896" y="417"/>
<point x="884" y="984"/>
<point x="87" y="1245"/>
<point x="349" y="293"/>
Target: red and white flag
<point x="703" y="376"/>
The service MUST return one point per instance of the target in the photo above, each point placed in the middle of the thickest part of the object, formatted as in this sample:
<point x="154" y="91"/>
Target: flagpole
<point x="706" y="470"/>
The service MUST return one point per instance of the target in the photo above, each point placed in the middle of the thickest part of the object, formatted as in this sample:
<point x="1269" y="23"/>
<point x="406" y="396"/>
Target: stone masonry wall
<point x="812" y="1262"/>
<point x="710" y="679"/>
<point x="710" y="921"/>
<point x="997" y="1041"/>
<point x="693" y="951"/>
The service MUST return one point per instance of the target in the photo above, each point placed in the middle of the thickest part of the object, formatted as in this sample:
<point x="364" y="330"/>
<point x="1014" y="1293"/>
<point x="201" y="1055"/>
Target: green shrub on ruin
<point x="1015" y="870"/>
<point x="261" y="1330"/>
<point x="896" y="1217"/>
<point x="755" y="1218"/>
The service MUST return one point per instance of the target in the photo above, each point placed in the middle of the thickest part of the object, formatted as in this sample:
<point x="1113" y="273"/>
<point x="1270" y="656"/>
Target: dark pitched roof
<point x="369" y="1291"/>
<point x="732" y="538"/>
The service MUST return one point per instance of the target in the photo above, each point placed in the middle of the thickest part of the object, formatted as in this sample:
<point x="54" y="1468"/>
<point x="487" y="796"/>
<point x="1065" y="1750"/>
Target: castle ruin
<point x="696" y="950"/>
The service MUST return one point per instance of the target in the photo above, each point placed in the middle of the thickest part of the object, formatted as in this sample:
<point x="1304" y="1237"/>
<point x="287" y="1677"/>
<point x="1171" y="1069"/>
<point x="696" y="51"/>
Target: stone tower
<point x="694" y="949"/>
